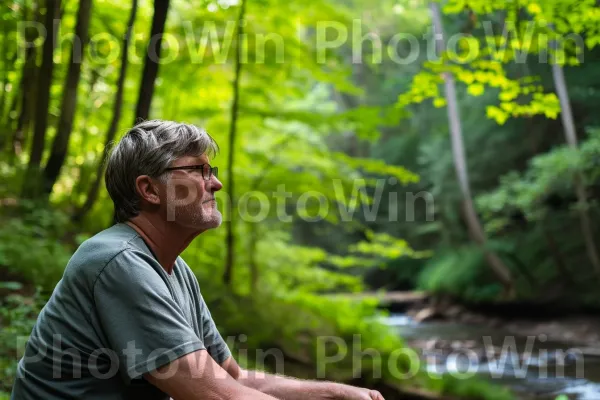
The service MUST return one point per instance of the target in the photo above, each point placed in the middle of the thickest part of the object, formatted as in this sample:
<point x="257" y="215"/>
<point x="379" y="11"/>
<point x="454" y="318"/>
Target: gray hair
<point x="148" y="149"/>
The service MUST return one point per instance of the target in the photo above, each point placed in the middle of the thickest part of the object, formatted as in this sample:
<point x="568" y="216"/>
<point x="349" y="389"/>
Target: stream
<point x="533" y="367"/>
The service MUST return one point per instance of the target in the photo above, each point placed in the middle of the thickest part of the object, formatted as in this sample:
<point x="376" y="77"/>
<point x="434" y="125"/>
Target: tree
<point x="159" y="19"/>
<point x="9" y="58"/>
<point x="31" y="184"/>
<point x="475" y="228"/>
<point x="571" y="137"/>
<point x="69" y="100"/>
<point x="114" y="122"/>
<point x="27" y="87"/>
<point x="230" y="238"/>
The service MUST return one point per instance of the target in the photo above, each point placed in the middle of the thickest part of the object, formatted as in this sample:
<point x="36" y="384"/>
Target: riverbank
<point x="574" y="329"/>
<point x="537" y="355"/>
<point x="533" y="368"/>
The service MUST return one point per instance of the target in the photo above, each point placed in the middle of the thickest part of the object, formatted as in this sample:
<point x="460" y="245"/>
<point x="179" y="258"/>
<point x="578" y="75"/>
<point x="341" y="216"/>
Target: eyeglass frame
<point x="211" y="171"/>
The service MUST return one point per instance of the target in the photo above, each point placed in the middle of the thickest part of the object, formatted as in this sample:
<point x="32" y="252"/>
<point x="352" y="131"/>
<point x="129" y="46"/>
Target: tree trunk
<point x="569" y="126"/>
<point x="112" y="129"/>
<point x="551" y="243"/>
<point x="142" y="110"/>
<point x="13" y="107"/>
<point x="60" y="146"/>
<point x="8" y="61"/>
<point x="31" y="183"/>
<point x="476" y="232"/>
<point x="85" y="173"/>
<point x="229" y="236"/>
<point x="27" y="87"/>
<point x="253" y="240"/>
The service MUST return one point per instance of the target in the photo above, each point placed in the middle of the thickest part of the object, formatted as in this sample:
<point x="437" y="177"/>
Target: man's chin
<point x="204" y="223"/>
<point x="216" y="224"/>
<point x="215" y="221"/>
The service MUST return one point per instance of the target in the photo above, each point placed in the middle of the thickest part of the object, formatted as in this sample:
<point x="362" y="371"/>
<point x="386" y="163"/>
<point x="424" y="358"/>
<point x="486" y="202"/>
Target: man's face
<point x="189" y="197"/>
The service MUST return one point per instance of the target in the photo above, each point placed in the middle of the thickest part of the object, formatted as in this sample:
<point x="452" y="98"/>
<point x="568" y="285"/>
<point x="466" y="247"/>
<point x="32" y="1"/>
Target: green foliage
<point x="549" y="174"/>
<point x="554" y="31"/>
<point x="30" y="246"/>
<point x="475" y="389"/>
<point x="477" y="76"/>
<point x="18" y="314"/>
<point x="459" y="272"/>
<point x="382" y="245"/>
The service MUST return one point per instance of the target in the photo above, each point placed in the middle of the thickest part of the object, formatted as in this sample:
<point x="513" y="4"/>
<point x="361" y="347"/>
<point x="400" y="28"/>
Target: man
<point x="127" y="320"/>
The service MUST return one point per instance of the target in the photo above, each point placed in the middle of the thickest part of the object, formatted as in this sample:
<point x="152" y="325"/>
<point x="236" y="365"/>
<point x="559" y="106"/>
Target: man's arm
<point x="296" y="389"/>
<point x="196" y="376"/>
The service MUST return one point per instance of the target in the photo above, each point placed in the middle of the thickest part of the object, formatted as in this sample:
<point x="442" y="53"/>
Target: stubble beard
<point x="205" y="219"/>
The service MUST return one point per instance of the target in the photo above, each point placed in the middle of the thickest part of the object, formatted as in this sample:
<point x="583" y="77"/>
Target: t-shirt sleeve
<point x="145" y="328"/>
<point x="216" y="346"/>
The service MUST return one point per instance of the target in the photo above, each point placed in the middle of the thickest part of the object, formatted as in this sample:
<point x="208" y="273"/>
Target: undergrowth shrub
<point x="31" y="246"/>
<point x="18" y="314"/>
<point x="460" y="272"/>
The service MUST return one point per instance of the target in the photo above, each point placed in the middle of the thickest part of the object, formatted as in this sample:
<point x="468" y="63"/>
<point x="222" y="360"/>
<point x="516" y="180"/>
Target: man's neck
<point x="166" y="240"/>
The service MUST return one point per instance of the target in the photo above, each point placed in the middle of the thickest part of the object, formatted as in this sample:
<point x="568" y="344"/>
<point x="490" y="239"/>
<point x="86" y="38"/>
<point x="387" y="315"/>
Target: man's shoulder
<point x="99" y="250"/>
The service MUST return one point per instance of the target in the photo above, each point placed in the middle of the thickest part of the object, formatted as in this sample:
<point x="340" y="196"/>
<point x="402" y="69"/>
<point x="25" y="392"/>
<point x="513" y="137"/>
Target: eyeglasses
<point x="207" y="170"/>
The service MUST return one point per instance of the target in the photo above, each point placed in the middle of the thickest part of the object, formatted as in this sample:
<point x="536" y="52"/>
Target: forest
<point x="446" y="152"/>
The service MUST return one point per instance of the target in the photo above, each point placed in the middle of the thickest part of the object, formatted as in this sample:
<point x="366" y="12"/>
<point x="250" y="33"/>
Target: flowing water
<point x="532" y="366"/>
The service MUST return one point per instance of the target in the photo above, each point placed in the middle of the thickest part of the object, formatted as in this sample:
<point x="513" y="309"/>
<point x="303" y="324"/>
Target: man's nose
<point x="215" y="184"/>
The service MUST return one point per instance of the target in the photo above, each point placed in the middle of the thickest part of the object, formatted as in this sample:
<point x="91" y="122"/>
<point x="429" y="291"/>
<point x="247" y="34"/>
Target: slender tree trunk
<point x="253" y="240"/>
<point x="32" y="184"/>
<point x="112" y="129"/>
<point x="60" y="146"/>
<point x="13" y="107"/>
<point x="142" y="110"/>
<point x="551" y="243"/>
<point x="569" y="126"/>
<point x="252" y="227"/>
<point x="229" y="236"/>
<point x="476" y="232"/>
<point x="85" y="171"/>
<point x="8" y="61"/>
<point x="27" y="86"/>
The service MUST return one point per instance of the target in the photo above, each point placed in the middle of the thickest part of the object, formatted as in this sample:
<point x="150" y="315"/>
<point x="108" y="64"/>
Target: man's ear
<point x="147" y="190"/>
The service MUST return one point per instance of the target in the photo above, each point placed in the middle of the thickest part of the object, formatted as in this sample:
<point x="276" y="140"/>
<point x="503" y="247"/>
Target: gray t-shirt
<point x="115" y="315"/>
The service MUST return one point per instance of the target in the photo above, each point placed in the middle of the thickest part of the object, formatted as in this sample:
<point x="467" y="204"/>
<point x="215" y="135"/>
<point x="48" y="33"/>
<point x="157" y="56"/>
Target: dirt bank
<point x="576" y="329"/>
